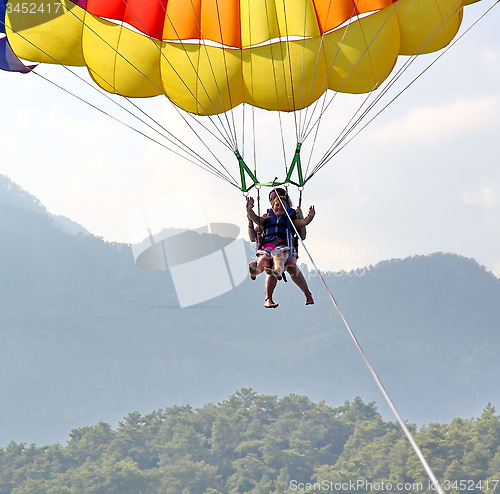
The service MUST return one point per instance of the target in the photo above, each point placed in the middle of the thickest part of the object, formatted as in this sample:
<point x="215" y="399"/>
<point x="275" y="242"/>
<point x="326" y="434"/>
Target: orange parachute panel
<point x="221" y="20"/>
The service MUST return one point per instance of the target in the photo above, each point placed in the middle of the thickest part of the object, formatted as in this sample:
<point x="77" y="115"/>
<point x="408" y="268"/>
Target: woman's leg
<point x="279" y="259"/>
<point x="299" y="280"/>
<point x="269" y="286"/>
<point x="256" y="268"/>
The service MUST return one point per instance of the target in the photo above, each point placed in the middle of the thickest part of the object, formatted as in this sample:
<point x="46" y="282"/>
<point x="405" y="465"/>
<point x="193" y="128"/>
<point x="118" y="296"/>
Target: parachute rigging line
<point x="279" y="116"/>
<point x="303" y="128"/>
<point x="378" y="381"/>
<point x="285" y="80"/>
<point x="243" y="167"/>
<point x="342" y="140"/>
<point x="209" y="170"/>
<point x="215" y="97"/>
<point x="348" y="129"/>
<point x="223" y="139"/>
<point x="324" y="107"/>
<point x="230" y="137"/>
<point x="254" y="140"/>
<point x="232" y="143"/>
<point x="226" y="140"/>
<point x="207" y="166"/>
<point x="173" y="140"/>
<point x="235" y="145"/>
<point x="292" y="88"/>
<point x="308" y="126"/>
<point x="243" y="136"/>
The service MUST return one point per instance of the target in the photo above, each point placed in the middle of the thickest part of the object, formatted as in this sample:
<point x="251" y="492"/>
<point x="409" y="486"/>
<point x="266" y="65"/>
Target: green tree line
<point x="258" y="444"/>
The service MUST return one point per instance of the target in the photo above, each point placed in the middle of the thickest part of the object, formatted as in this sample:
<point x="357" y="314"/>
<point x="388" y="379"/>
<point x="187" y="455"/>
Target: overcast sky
<point x="423" y="177"/>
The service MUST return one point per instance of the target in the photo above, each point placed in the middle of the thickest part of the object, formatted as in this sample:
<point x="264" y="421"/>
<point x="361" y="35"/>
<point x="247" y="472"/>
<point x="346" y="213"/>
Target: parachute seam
<point x="332" y="65"/>
<point x="232" y="137"/>
<point x="186" y="41"/>
<point x="303" y="78"/>
<point x="367" y="53"/>
<point x="319" y="56"/>
<point x="115" y="62"/>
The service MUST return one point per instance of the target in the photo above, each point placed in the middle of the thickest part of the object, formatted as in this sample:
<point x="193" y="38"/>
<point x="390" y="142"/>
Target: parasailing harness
<point x="277" y="230"/>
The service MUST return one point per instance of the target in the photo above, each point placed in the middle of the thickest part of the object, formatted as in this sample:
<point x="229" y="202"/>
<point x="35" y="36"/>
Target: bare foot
<point x="309" y="299"/>
<point x="269" y="304"/>
<point x="252" y="267"/>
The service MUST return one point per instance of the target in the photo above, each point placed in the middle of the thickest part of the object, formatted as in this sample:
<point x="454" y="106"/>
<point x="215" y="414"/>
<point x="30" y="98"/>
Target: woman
<point x="267" y="262"/>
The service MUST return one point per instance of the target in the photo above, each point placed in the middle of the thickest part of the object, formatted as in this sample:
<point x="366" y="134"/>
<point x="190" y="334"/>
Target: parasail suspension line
<point x="301" y="189"/>
<point x="352" y="126"/>
<point x="244" y="171"/>
<point x="296" y="165"/>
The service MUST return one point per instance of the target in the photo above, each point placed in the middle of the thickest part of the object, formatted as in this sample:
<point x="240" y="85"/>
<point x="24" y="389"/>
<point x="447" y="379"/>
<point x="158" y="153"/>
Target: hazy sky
<point x="423" y="177"/>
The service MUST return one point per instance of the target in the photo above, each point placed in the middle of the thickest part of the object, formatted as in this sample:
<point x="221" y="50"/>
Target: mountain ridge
<point x="89" y="337"/>
<point x="12" y="194"/>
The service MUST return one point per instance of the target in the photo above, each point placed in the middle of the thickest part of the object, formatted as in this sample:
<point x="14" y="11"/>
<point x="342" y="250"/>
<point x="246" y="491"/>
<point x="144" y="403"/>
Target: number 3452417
<point x="33" y="8"/>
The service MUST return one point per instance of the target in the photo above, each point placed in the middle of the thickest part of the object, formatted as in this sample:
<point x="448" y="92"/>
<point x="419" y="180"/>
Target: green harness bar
<point x="246" y="172"/>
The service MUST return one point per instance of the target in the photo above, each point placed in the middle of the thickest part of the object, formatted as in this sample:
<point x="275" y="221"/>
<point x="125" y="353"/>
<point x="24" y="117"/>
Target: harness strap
<point x="247" y="174"/>
<point x="288" y="230"/>
<point x="258" y="236"/>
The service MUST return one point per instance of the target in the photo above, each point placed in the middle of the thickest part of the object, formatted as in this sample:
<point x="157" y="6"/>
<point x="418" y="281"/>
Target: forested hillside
<point x="258" y="444"/>
<point x="86" y="336"/>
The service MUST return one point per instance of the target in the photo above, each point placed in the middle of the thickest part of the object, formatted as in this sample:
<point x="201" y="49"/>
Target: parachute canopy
<point x="208" y="56"/>
<point x="211" y="56"/>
